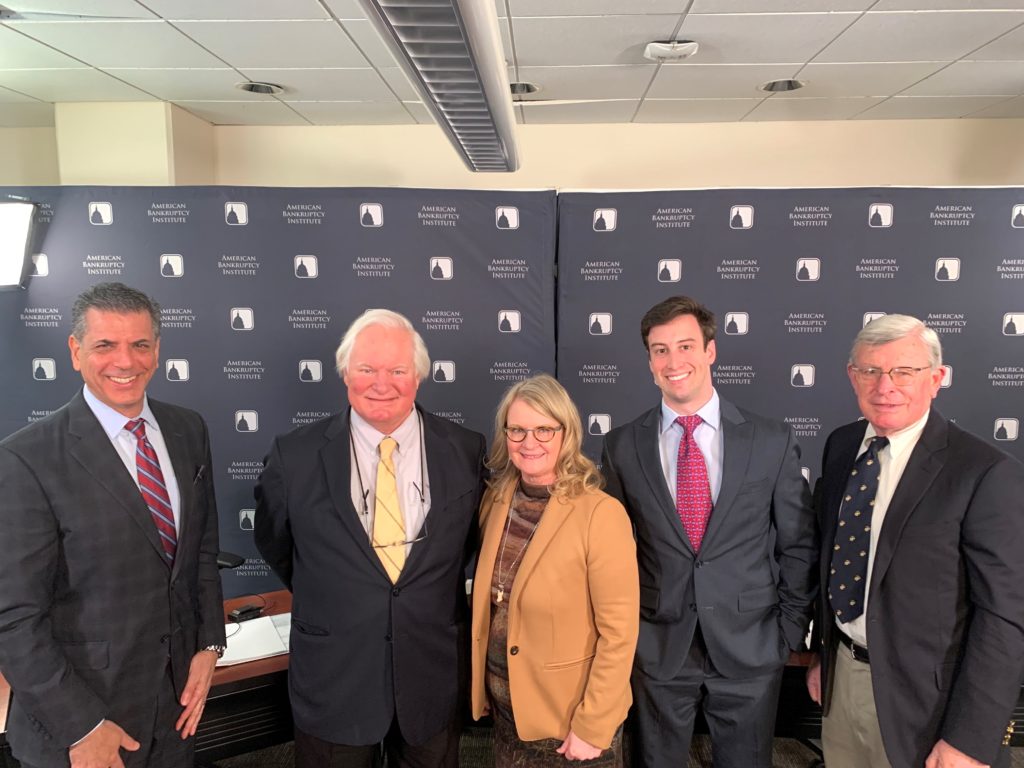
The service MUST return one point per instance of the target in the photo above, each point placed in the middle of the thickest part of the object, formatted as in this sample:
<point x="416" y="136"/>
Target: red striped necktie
<point x="154" y="490"/>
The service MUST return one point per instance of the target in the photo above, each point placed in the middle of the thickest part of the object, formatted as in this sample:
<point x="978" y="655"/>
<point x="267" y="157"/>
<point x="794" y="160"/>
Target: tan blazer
<point x="573" y="618"/>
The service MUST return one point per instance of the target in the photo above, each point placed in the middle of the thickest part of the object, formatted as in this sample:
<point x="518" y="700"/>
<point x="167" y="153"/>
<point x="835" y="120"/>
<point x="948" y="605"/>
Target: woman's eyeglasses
<point x="542" y="434"/>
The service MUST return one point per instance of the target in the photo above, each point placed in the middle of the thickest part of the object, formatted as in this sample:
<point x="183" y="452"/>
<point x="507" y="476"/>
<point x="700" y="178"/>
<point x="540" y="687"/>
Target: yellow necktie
<point x="388" y="525"/>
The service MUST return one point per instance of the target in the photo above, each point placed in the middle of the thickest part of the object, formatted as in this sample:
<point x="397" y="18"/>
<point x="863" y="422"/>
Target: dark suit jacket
<point x="89" y="607"/>
<point x="945" y="617"/>
<point x="751" y="587"/>
<point x="362" y="647"/>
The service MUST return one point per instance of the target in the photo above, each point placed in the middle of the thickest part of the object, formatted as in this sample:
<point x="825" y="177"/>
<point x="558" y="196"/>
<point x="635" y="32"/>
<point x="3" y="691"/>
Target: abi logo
<point x="880" y="215"/>
<point x="44" y="369"/>
<point x="306" y="267"/>
<point x="737" y="323"/>
<point x="600" y="323"/>
<point x="371" y="215"/>
<point x="247" y="421"/>
<point x="441" y="268"/>
<point x="242" y="319"/>
<point x="236" y="214"/>
<point x="741" y="217"/>
<point x="869" y="316"/>
<point x="808" y="270"/>
<point x="444" y="371"/>
<point x="509" y="321"/>
<point x="506" y="217"/>
<point x="311" y="371"/>
<point x="670" y="270"/>
<point x="802" y="375"/>
<point x="1006" y="429"/>
<point x="605" y="219"/>
<point x="172" y="265"/>
<point x="176" y="370"/>
<point x="101" y="214"/>
<point x="947" y="270"/>
<point x="599" y="423"/>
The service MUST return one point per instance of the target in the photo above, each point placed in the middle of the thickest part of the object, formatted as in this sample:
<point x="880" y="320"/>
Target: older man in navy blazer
<point x="726" y="546"/>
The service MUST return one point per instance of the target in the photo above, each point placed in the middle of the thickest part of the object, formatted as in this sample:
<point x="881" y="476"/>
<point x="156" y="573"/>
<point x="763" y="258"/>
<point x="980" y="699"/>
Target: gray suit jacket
<point x="90" y="610"/>
<point x="945" y="617"/>
<point x="364" y="650"/>
<point x="752" y="584"/>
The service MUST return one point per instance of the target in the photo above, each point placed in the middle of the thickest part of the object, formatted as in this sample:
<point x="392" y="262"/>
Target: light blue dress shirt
<point x="708" y="436"/>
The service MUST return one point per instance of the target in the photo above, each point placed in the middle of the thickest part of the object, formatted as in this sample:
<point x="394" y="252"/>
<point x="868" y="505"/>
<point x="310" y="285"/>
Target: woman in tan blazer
<point x="556" y="593"/>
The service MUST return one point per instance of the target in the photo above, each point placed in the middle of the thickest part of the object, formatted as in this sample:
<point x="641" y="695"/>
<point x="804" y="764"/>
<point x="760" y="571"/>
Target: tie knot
<point x="137" y="427"/>
<point x="689" y="423"/>
<point x="876" y="445"/>
<point x="386" y="448"/>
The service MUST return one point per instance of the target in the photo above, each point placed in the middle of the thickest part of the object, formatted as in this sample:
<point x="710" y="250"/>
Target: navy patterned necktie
<point x="847" y="579"/>
<point x="154" y="490"/>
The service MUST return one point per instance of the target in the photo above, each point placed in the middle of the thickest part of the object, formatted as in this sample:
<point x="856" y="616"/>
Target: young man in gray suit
<point x="921" y="614"/>
<point x="726" y="545"/>
<point x="111" y="615"/>
<point x="368" y="517"/>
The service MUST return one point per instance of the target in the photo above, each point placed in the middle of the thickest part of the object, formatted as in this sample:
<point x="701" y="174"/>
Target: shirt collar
<point x="710" y="412"/>
<point x="112" y="421"/>
<point x="404" y="434"/>
<point x="899" y="442"/>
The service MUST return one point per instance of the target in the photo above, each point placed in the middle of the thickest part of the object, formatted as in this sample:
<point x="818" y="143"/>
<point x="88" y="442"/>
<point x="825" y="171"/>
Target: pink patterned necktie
<point x="693" y="494"/>
<point x="154" y="490"/>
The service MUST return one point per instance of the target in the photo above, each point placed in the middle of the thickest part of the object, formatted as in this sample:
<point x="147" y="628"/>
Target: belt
<point x="860" y="653"/>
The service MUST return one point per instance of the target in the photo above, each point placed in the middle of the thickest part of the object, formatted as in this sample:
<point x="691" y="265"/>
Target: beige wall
<point x="848" y="153"/>
<point x="155" y="143"/>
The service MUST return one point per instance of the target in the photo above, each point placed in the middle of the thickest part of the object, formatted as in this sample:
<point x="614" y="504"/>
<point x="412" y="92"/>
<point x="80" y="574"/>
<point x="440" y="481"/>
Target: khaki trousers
<point x="850" y="736"/>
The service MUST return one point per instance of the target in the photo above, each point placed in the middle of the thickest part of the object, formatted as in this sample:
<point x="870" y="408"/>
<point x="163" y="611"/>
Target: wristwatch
<point x="218" y="649"/>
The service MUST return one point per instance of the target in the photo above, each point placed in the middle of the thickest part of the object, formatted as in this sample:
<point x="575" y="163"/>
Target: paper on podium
<point x="254" y="639"/>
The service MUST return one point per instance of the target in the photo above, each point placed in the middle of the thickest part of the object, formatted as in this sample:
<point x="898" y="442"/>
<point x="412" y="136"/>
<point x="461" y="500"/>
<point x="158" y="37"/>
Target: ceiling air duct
<point x="451" y="52"/>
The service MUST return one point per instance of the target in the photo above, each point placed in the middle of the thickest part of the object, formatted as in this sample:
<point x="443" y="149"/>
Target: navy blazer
<point x="945" y="619"/>
<point x="362" y="648"/>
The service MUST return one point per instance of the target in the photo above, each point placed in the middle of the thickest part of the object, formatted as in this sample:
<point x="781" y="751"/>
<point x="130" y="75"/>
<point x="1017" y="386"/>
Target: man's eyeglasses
<point x="901" y="376"/>
<point x="542" y="434"/>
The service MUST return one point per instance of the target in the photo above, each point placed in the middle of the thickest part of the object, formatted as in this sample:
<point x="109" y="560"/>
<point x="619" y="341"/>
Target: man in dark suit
<point x="367" y="517"/>
<point x="921" y="614"/>
<point x="111" y="616"/>
<point x="726" y="546"/>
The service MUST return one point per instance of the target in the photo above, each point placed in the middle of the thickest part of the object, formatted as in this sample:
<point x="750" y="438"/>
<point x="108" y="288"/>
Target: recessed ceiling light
<point x="267" y="89"/>
<point x="781" y="86"/>
<point x="523" y="89"/>
<point x="670" y="50"/>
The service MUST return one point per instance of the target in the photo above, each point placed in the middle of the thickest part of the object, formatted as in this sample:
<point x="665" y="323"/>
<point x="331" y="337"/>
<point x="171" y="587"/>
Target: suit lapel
<point x="648" y="450"/>
<point x="336" y="461"/>
<point x="737" y="442"/>
<point x="924" y="465"/>
<point x="555" y="514"/>
<point x="495" y="516"/>
<point x="101" y="460"/>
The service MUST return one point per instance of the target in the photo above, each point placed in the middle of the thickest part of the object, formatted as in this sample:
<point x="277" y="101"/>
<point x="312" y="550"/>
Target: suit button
<point x="699" y="564"/>
<point x="513" y="650"/>
<point x="387" y="637"/>
<point x="164" y="639"/>
<point x="693" y="606"/>
<point x="396" y="591"/>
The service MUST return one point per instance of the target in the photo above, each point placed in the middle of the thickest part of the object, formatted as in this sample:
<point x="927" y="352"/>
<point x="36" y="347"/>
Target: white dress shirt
<point x="708" y="436"/>
<point x="892" y="461"/>
<point x="411" y="473"/>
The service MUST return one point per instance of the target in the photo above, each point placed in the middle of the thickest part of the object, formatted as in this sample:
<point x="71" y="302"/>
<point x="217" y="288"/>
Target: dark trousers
<point x="440" y="751"/>
<point x="740" y="713"/>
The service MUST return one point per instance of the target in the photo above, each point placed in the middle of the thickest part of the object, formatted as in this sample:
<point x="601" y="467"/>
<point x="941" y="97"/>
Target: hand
<point x="814" y="679"/>
<point x="193" y="698"/>
<point x="945" y="755"/>
<point x="102" y="748"/>
<point x="575" y="748"/>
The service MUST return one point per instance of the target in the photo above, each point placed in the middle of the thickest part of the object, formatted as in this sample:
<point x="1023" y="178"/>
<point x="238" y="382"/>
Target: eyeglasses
<point x="542" y="434"/>
<point x="901" y="376"/>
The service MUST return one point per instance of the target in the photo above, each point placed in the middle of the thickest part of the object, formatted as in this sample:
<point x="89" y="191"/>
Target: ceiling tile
<point x="276" y="44"/>
<point x="102" y="9"/>
<point x="365" y="35"/>
<point x="874" y="79"/>
<point x="1007" y="108"/>
<point x="686" y="81"/>
<point x="777" y="6"/>
<point x="53" y="85"/>
<point x="1009" y="47"/>
<point x="243" y="112"/>
<point x="237" y="10"/>
<point x="419" y="112"/>
<point x="346" y="9"/>
<point x="928" y="107"/>
<point x="325" y="84"/>
<point x="353" y="112"/>
<point x="600" y="82"/>
<point x="172" y="84"/>
<point x="595" y="7"/>
<point x="810" y="109"/>
<point x="120" y="43"/>
<point x="919" y="36"/>
<point x="973" y="78"/>
<point x="8" y="96"/>
<point x="399" y="83"/>
<point x="26" y="115"/>
<point x="17" y="50"/>
<point x="752" y="38"/>
<point x="946" y="5"/>
<point x="563" y="41"/>
<point x="694" y="110"/>
<point x="587" y="112"/>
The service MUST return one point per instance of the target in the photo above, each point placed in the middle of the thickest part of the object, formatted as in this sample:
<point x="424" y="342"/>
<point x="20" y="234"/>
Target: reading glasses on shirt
<point x="542" y="434"/>
<point x="901" y="376"/>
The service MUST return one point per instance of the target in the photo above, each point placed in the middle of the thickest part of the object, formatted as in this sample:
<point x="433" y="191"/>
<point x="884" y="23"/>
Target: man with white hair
<point x="921" y="613"/>
<point x="367" y="516"/>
